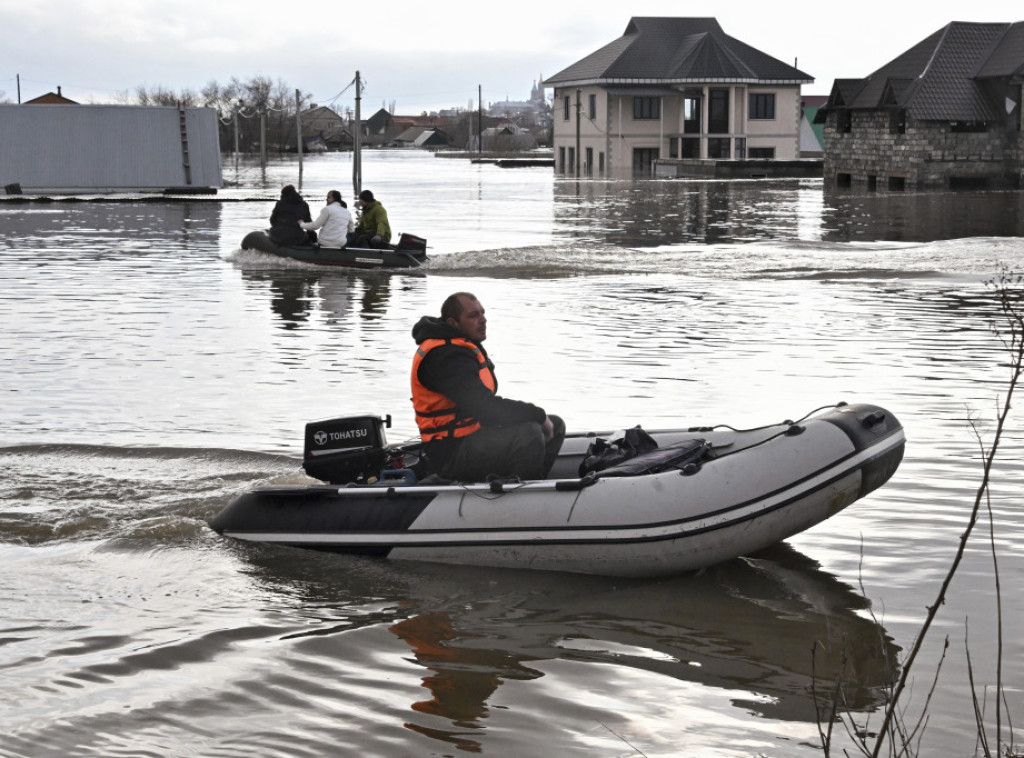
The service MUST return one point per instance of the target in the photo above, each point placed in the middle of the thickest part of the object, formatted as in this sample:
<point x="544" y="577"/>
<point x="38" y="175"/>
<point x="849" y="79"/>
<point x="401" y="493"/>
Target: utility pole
<point x="479" y="122"/>
<point x="298" y="131"/>
<point x="235" y="119"/>
<point x="357" y="145"/>
<point x="263" y="138"/>
<point x="579" y="108"/>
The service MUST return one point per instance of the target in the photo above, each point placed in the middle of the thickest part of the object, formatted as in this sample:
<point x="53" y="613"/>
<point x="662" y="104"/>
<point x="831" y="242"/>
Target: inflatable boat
<point x="629" y="502"/>
<point x="409" y="252"/>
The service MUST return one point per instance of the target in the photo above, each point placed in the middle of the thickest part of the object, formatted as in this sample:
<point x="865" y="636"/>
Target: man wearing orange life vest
<point x="471" y="433"/>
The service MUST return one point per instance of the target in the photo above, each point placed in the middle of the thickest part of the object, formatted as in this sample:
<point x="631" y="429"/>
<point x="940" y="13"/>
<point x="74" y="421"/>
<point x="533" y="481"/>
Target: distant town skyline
<point x="416" y="59"/>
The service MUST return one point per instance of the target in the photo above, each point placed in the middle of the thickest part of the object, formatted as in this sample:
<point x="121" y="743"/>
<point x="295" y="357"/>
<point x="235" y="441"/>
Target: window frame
<point x="646" y="108"/>
<point x="761" y="106"/>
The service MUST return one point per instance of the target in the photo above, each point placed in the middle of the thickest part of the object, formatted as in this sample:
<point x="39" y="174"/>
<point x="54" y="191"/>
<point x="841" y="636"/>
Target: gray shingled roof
<point x="676" y="50"/>
<point x="942" y="77"/>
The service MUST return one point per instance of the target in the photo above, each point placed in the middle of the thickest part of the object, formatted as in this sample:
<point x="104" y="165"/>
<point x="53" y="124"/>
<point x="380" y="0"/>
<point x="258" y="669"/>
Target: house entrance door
<point x="643" y="159"/>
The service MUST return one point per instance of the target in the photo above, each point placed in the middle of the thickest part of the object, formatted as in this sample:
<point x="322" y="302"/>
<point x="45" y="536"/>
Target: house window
<point x="762" y="105"/>
<point x="689" y="147"/>
<point x="762" y="153"/>
<point x="845" y="121"/>
<point x="898" y="121"/>
<point x="691" y="115"/>
<point x="573" y="168"/>
<point x="561" y="160"/>
<point x="592" y="107"/>
<point x="646" y="108"/>
<point x="718" y="148"/>
<point x="567" y="107"/>
<point x="963" y="127"/>
<point x="588" y="167"/>
<point x="600" y="163"/>
<point x="718" y="111"/>
<point x="741" y="148"/>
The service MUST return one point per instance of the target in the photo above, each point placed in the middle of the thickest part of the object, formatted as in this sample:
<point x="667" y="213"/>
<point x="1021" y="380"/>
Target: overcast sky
<point x="420" y="55"/>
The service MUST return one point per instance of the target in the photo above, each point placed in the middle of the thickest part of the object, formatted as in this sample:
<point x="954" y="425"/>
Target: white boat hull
<point x="760" y="488"/>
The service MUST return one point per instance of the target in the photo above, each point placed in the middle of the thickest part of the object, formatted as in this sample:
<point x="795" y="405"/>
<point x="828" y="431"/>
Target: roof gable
<point x="939" y="77"/>
<point x="656" y="49"/>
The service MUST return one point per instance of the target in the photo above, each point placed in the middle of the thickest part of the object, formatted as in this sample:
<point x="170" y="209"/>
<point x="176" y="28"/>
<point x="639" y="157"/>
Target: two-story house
<point x="677" y="88"/>
<point x="945" y="113"/>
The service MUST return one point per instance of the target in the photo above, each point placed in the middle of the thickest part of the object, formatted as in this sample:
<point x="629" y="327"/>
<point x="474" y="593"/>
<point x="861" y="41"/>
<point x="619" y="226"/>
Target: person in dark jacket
<point x="470" y="433"/>
<point x="285" y="218"/>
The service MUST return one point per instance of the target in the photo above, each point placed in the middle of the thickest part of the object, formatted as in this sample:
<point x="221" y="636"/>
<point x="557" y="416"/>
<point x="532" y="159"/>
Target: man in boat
<point x="373" y="229"/>
<point x="469" y="432"/>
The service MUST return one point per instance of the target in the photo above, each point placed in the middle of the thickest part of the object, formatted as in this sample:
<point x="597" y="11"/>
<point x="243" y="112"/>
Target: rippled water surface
<point x="152" y="370"/>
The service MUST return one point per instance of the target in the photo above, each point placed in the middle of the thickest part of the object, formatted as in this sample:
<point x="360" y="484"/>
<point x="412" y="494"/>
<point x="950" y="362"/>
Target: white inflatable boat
<point x="701" y="496"/>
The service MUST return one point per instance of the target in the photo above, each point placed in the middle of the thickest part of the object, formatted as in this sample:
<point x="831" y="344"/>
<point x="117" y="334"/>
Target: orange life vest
<point x="435" y="413"/>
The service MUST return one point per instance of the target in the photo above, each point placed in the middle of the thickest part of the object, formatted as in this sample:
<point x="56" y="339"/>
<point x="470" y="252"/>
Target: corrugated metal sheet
<point x="107" y="148"/>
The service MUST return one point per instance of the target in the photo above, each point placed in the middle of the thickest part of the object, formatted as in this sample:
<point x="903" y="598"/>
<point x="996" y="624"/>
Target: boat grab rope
<point x="787" y="422"/>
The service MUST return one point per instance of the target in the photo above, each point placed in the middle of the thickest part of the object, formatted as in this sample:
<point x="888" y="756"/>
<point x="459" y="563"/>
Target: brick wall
<point x="928" y="154"/>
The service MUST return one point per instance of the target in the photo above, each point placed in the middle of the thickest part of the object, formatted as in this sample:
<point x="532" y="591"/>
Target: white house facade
<point x="674" y="88"/>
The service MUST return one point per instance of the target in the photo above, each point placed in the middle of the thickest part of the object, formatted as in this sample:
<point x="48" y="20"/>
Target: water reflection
<point x="747" y="626"/>
<point x="95" y="230"/>
<point x="650" y="212"/>
<point x="297" y="296"/>
<point x="921" y="216"/>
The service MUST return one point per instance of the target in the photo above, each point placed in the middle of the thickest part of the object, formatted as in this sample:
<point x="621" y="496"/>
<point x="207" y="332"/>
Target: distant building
<point x="68" y="149"/>
<point x="51" y="98"/>
<point x="422" y="137"/>
<point x="506" y="138"/>
<point x="812" y="135"/>
<point x="324" y="129"/>
<point x="534" y="110"/>
<point x="945" y="113"/>
<point x="676" y="88"/>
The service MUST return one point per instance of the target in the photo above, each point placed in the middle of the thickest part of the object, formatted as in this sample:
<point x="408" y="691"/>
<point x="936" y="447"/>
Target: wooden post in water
<point x="236" y="142"/>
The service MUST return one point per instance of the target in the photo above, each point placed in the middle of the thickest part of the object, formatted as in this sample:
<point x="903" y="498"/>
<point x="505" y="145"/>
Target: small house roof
<point x="676" y="50"/>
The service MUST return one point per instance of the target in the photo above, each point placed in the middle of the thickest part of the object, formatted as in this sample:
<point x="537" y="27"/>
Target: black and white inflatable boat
<point x="409" y="252"/>
<point x="686" y="499"/>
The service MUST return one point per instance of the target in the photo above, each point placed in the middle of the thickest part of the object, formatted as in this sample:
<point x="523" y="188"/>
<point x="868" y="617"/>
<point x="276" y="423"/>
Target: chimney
<point x="58" y="91"/>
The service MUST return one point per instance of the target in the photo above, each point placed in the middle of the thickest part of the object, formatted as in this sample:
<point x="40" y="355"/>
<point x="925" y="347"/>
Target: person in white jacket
<point x="334" y="222"/>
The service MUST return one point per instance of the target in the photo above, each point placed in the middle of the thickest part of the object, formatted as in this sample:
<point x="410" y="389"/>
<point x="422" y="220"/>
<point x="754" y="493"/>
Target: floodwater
<point x="152" y="370"/>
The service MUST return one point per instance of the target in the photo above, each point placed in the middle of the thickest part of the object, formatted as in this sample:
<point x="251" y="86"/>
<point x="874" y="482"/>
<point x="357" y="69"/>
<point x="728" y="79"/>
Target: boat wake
<point x="60" y="493"/>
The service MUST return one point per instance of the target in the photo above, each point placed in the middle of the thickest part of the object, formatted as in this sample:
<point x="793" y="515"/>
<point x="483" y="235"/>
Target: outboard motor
<point x="346" y="450"/>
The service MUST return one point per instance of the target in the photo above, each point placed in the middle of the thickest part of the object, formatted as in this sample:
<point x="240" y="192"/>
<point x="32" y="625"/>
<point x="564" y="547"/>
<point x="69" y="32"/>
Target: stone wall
<point x="928" y="154"/>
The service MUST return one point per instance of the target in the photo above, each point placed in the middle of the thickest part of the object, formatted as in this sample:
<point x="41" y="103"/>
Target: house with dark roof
<point x="324" y="129"/>
<point x="51" y="98"/>
<point x="946" y="113"/>
<point x="674" y="88"/>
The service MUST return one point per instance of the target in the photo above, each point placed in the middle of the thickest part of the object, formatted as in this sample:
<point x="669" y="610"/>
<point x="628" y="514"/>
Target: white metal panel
<point x="106" y="148"/>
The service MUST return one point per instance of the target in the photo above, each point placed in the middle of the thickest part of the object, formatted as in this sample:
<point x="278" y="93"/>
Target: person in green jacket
<point x="373" y="229"/>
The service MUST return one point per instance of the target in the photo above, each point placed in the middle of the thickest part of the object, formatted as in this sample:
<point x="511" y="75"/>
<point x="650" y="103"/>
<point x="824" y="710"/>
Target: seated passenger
<point x="373" y="229"/>
<point x="334" y="222"/>
<point x="288" y="213"/>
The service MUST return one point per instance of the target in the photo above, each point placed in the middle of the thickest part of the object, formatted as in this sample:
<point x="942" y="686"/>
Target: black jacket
<point x="285" y="218"/>
<point x="454" y="372"/>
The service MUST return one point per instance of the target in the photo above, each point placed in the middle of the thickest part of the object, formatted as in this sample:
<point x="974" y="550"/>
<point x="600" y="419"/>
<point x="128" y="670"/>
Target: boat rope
<point x="787" y="422"/>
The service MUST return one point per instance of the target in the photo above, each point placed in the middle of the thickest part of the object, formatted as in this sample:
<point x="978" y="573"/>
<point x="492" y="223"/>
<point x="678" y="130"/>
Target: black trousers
<point x="505" y="451"/>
